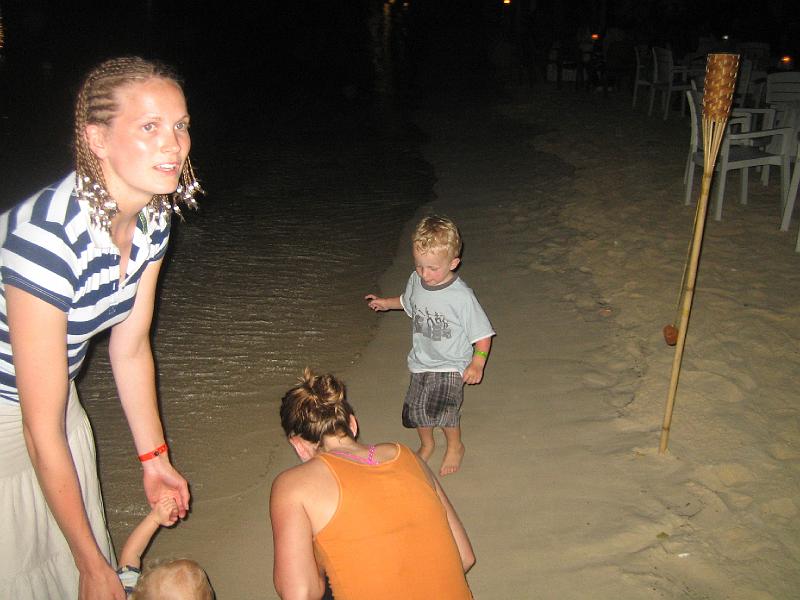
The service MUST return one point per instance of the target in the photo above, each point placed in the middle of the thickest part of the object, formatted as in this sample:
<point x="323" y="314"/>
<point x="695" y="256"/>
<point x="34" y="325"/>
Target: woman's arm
<point x="295" y="572"/>
<point x="134" y="374"/>
<point x="38" y="334"/>
<point x="456" y="527"/>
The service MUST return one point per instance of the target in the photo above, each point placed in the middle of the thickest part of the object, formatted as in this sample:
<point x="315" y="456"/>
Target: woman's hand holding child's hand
<point x="166" y="511"/>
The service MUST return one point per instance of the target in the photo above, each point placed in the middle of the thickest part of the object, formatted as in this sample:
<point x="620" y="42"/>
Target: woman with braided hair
<point x="370" y="518"/>
<point x="79" y="257"/>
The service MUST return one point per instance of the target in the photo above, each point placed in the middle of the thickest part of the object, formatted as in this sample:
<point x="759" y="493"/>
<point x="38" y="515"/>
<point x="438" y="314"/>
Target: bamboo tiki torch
<point x="719" y="85"/>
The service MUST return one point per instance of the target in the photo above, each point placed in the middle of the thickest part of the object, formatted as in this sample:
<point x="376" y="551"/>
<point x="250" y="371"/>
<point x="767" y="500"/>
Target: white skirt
<point x="35" y="560"/>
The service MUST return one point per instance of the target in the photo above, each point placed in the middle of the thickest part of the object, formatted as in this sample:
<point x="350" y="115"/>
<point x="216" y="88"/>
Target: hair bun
<point x="316" y="406"/>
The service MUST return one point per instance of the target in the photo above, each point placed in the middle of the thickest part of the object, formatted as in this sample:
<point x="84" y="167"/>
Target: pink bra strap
<point x="370" y="460"/>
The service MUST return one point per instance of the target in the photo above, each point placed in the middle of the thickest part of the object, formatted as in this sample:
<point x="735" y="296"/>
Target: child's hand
<point x="165" y="511"/>
<point x="473" y="374"/>
<point x="375" y="303"/>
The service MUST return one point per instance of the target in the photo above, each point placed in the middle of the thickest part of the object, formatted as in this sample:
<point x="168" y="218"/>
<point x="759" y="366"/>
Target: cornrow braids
<point x="97" y="104"/>
<point x="317" y="406"/>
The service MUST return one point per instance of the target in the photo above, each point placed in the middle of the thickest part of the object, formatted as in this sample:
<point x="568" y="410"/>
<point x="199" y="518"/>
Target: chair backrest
<point x="695" y="101"/>
<point x="743" y="81"/>
<point x="662" y="65"/>
<point x="783" y="87"/>
<point x="757" y="52"/>
<point x="643" y="65"/>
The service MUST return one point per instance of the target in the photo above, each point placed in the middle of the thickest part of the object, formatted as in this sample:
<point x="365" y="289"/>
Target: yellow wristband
<point x="485" y="355"/>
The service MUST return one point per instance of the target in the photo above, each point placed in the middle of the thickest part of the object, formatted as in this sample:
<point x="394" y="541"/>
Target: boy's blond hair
<point x="435" y="233"/>
<point x="164" y="579"/>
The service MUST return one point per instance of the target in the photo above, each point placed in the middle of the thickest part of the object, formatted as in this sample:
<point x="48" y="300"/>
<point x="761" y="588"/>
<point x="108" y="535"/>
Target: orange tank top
<point x="389" y="538"/>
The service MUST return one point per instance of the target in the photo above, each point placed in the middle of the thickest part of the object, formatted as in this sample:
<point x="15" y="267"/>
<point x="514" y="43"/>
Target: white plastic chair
<point x="743" y="82"/>
<point x="783" y="87"/>
<point x="791" y="197"/>
<point x="783" y="94"/>
<point x="667" y="79"/>
<point x="644" y="71"/>
<point x="739" y="151"/>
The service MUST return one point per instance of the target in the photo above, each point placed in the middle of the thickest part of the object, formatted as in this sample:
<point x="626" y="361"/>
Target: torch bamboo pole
<point x="719" y="85"/>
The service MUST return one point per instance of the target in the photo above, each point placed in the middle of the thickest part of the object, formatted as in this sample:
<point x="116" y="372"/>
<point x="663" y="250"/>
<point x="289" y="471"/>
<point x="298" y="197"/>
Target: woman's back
<point x="389" y="537"/>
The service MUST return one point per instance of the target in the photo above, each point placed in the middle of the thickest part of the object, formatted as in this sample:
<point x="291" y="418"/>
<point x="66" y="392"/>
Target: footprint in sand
<point x="741" y="544"/>
<point x="737" y="501"/>
<point x="712" y="385"/>
<point x="732" y="474"/>
<point x="781" y="507"/>
<point x="600" y="379"/>
<point x="782" y="451"/>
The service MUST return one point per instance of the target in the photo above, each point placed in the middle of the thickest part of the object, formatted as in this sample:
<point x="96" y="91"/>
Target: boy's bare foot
<point x="452" y="459"/>
<point x="425" y="452"/>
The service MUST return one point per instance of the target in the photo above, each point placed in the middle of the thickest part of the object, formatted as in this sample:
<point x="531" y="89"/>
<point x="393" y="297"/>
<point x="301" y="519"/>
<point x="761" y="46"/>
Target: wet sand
<point x="570" y="205"/>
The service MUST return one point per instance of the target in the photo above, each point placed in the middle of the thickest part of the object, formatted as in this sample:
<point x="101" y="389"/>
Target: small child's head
<point x="437" y="234"/>
<point x="181" y="579"/>
<point x="436" y="244"/>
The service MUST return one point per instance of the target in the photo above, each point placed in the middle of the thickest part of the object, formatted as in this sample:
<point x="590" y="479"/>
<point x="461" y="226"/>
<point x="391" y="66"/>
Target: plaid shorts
<point x="433" y="400"/>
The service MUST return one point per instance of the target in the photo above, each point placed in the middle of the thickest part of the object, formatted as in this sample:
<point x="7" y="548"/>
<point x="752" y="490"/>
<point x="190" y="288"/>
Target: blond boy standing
<point x="451" y="338"/>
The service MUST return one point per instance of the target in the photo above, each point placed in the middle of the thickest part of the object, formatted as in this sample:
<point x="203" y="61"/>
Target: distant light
<point x="786" y="59"/>
<point x="595" y="36"/>
<point x="786" y="62"/>
<point x="726" y="37"/>
<point x="506" y="1"/>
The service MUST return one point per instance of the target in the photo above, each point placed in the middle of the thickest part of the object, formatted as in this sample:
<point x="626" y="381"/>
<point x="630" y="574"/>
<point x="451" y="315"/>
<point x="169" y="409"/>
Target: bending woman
<point x="374" y="516"/>
<point x="75" y="259"/>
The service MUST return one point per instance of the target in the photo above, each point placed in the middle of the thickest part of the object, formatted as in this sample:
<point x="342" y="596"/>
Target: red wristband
<point x="157" y="452"/>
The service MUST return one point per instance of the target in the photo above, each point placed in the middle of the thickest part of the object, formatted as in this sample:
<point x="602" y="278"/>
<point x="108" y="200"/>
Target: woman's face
<point x="144" y="147"/>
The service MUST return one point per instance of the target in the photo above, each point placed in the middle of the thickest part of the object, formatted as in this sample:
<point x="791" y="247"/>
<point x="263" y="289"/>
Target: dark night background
<point x="255" y="65"/>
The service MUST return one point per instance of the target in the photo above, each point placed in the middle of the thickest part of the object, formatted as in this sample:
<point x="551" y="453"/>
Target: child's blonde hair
<point x="181" y="578"/>
<point x="435" y="233"/>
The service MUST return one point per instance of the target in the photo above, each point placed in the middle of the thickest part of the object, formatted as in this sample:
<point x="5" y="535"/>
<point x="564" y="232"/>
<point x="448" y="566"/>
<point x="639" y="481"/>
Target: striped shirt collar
<point x="99" y="236"/>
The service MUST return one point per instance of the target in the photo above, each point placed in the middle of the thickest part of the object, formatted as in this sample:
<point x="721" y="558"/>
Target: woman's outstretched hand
<point x="161" y="479"/>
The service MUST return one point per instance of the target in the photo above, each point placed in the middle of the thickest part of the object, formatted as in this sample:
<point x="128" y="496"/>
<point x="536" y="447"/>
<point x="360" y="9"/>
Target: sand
<point x="576" y="236"/>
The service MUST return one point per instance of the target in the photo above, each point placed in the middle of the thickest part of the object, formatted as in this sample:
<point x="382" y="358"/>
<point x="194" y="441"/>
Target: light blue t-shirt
<point x="446" y="321"/>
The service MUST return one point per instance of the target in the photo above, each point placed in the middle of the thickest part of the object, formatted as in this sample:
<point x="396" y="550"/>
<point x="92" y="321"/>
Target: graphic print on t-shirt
<point x="432" y="326"/>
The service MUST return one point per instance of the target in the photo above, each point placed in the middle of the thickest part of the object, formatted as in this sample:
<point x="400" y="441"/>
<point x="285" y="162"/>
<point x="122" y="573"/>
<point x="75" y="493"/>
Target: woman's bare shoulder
<point x="300" y="478"/>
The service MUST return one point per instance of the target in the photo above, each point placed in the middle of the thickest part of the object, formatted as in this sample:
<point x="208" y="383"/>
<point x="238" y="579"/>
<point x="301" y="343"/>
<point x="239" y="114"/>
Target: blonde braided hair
<point x="97" y="104"/>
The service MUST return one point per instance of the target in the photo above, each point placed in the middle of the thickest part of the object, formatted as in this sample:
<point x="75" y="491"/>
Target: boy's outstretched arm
<point x="381" y="304"/>
<point x="165" y="513"/>
<point x="474" y="372"/>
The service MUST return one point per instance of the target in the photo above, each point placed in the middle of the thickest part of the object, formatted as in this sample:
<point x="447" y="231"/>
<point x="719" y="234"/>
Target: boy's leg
<point x="454" y="451"/>
<point x="426" y="442"/>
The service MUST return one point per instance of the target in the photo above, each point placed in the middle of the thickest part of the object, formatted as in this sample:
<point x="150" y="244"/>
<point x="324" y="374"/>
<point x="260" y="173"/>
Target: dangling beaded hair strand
<point x="97" y="104"/>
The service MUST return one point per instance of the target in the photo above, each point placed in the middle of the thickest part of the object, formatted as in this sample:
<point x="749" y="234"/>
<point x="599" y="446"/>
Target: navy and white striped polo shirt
<point x="49" y="249"/>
